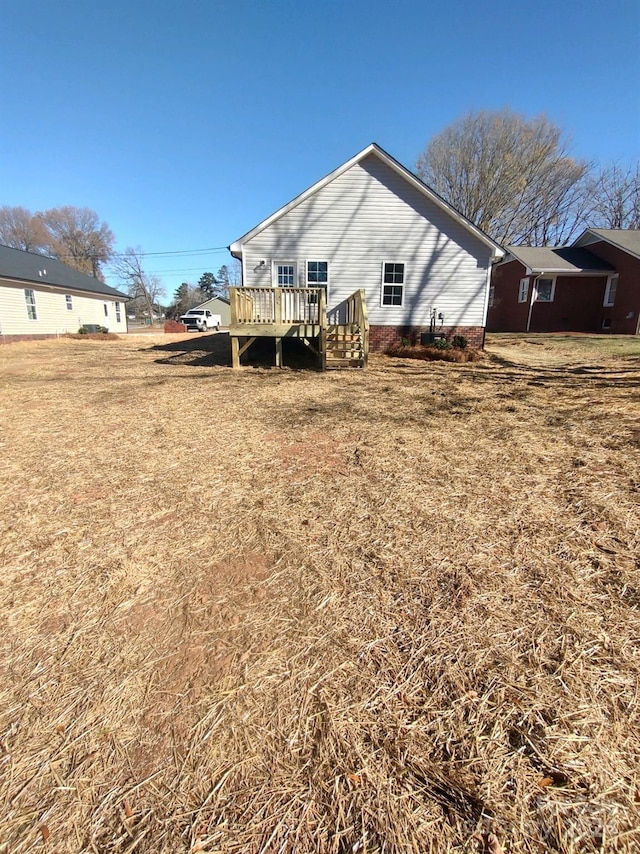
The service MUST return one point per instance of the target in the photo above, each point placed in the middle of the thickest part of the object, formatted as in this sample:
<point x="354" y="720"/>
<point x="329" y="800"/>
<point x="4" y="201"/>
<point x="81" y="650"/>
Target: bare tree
<point x="140" y="285"/>
<point x="186" y="296"/>
<point x="235" y="273"/>
<point x="77" y="237"/>
<point x="511" y="176"/>
<point x="20" y="229"/>
<point x="615" y="197"/>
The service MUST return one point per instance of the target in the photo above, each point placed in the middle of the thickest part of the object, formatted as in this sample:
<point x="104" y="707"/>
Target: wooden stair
<point x="344" y="346"/>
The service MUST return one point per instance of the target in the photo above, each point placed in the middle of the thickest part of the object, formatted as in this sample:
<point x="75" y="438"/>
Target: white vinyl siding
<point x="366" y="216"/>
<point x="54" y="316"/>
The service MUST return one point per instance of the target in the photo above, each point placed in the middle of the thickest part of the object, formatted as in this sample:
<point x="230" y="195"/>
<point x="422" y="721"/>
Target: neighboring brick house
<point x="591" y="286"/>
<point x="621" y="249"/>
<point x="545" y="289"/>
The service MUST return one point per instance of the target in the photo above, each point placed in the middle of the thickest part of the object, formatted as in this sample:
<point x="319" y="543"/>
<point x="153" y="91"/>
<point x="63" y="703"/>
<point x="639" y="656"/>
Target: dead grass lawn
<point x="286" y="611"/>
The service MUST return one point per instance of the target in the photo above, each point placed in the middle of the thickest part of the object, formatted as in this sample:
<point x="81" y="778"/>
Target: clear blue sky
<point x="184" y="124"/>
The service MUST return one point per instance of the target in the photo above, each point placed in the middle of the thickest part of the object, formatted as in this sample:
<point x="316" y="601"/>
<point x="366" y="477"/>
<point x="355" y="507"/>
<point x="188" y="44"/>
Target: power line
<point x="60" y="255"/>
<point x="175" y="252"/>
<point x="180" y="271"/>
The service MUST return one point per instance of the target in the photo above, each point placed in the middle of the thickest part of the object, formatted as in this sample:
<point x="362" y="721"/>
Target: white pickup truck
<point x="200" y="319"/>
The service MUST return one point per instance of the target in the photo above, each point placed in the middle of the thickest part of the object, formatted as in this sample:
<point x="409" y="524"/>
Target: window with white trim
<point x="317" y="277"/>
<point x="392" y="283"/>
<point x="523" y="290"/>
<point x="545" y="289"/>
<point x="610" y="292"/>
<point x="317" y="274"/>
<point x="69" y="301"/>
<point x="30" y="300"/>
<point x="285" y="275"/>
<point x="118" y="315"/>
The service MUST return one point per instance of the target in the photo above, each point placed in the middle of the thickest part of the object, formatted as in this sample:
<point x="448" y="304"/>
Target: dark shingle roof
<point x="626" y="238"/>
<point x="559" y="259"/>
<point x="29" y="267"/>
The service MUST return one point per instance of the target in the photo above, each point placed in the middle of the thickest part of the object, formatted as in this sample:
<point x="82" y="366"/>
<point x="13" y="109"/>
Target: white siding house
<point x="41" y="297"/>
<point x="372" y="224"/>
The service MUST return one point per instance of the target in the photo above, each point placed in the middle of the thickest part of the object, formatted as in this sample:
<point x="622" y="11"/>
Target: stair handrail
<point x="363" y="323"/>
<point x="322" y="320"/>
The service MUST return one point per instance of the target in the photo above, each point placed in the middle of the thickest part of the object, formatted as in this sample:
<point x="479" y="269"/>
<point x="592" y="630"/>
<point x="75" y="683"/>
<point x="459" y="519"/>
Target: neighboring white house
<point x="372" y="224"/>
<point x="41" y="297"/>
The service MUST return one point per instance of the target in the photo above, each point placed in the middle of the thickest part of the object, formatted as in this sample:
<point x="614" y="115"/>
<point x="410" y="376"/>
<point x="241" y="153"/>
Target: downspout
<point x="486" y="301"/>
<point x="241" y="259"/>
<point x="534" y="293"/>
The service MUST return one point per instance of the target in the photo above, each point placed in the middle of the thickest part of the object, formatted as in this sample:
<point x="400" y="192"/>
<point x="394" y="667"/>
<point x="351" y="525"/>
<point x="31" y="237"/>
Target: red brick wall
<point x="628" y="292"/>
<point x="381" y="337"/>
<point x="576" y="306"/>
<point x="507" y="314"/>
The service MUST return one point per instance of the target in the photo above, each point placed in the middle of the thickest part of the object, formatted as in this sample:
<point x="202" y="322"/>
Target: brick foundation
<point x="381" y="337"/>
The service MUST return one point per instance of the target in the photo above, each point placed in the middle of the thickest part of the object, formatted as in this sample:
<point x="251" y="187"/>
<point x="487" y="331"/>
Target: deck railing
<point x="276" y="305"/>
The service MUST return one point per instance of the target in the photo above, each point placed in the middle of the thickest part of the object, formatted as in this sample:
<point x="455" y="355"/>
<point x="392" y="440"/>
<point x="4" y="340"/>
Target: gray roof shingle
<point x="626" y="238"/>
<point x="559" y="259"/>
<point x="30" y="267"/>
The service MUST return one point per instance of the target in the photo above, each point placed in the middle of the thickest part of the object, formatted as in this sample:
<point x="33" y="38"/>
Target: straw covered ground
<point x="287" y="611"/>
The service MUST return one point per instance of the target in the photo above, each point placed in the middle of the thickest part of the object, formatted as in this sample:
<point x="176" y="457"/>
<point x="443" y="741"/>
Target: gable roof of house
<point x="213" y="299"/>
<point x="627" y="239"/>
<point x="236" y="247"/>
<point x="41" y="270"/>
<point x="567" y="260"/>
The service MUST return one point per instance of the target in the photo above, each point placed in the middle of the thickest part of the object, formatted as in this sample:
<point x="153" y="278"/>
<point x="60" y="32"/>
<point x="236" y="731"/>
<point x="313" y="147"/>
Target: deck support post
<point x="278" y="352"/>
<point x="237" y="350"/>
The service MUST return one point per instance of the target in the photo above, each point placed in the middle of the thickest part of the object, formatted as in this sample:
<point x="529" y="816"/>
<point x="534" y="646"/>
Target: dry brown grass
<point x="287" y="611"/>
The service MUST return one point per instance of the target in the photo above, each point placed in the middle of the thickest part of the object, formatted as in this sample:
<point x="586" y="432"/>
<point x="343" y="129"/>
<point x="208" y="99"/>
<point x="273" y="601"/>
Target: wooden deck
<point x="300" y="313"/>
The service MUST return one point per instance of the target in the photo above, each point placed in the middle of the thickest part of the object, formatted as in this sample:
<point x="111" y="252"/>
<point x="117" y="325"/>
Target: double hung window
<point x="392" y="283"/>
<point x="30" y="300"/>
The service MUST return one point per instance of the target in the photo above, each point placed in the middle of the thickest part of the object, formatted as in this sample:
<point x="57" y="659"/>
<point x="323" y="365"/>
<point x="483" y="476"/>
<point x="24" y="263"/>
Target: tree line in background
<point x="209" y="286"/>
<point x="513" y="177"/>
<point x="72" y="235"/>
<point x="77" y="237"/>
<point x="516" y="180"/>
